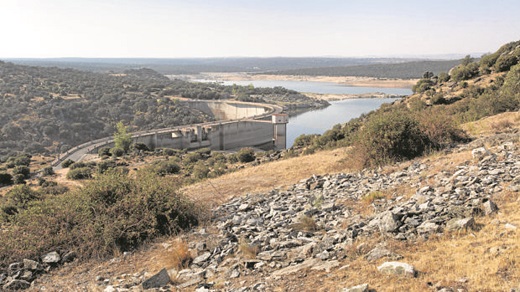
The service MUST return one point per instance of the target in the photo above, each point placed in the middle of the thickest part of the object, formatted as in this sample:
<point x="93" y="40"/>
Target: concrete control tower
<point x="280" y="131"/>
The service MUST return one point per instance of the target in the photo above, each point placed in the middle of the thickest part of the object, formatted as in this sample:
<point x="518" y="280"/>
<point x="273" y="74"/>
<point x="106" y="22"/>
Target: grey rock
<point x="480" y="152"/>
<point x="51" y="258"/>
<point x="31" y="265"/>
<point x="388" y="222"/>
<point x="202" y="258"/>
<point x="459" y="224"/>
<point x="489" y="207"/>
<point x="15" y="267"/>
<point x="358" y="288"/>
<point x="234" y="274"/>
<point x="397" y="268"/>
<point x="381" y="252"/>
<point x="428" y="227"/>
<point x="158" y="280"/>
<point x="16" y="285"/>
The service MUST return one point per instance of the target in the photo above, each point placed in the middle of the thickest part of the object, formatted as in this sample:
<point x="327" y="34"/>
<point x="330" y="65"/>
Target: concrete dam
<point x="238" y="125"/>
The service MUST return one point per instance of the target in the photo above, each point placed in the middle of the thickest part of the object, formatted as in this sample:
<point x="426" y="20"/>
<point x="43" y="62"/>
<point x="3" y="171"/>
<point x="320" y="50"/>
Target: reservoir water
<point x="339" y="112"/>
<point x="319" y="87"/>
<point x="319" y="121"/>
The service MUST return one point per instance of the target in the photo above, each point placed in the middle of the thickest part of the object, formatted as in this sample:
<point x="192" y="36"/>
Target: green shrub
<point x="117" y="151"/>
<point x="166" y="167"/>
<point x="78" y="164"/>
<point x="246" y="155"/>
<point x="19" y="179"/>
<point x="304" y="140"/>
<point x="103" y="166"/>
<point x="204" y="151"/>
<point x="390" y="136"/>
<point x="440" y="129"/>
<point x="16" y="200"/>
<point x="170" y="152"/>
<point x="464" y="72"/>
<point x="444" y="77"/>
<point x="200" y="170"/>
<point x="67" y="163"/>
<point x="232" y="158"/>
<point x="80" y="173"/>
<point x="104" y="151"/>
<point x="422" y="85"/>
<point x="141" y="147"/>
<point x="219" y="169"/>
<point x="48" y="171"/>
<point x="112" y="214"/>
<point x="5" y="179"/>
<point x="23" y="170"/>
<point x="22" y="160"/>
<point x="192" y="157"/>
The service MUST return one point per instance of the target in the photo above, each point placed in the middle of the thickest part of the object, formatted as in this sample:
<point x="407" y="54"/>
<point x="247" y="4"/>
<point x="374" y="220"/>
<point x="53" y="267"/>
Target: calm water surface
<point x="319" y="121"/>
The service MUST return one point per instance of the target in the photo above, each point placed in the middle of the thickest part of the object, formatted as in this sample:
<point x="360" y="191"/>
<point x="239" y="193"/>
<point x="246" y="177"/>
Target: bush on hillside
<point x="67" y="163"/>
<point x="112" y="214"/>
<point x="390" y="136"/>
<point x="23" y="170"/>
<point x="117" y="151"/>
<point x="104" y="151"/>
<point x="246" y="155"/>
<point x="166" y="167"/>
<point x="5" y="179"/>
<point x="80" y="173"/>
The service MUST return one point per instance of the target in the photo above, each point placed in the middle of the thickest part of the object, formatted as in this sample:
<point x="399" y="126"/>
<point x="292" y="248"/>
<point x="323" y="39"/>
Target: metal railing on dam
<point x="78" y="152"/>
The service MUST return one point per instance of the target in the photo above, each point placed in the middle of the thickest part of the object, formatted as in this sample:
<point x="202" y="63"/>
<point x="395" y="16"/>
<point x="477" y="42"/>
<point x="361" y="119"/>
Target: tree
<point x="122" y="139"/>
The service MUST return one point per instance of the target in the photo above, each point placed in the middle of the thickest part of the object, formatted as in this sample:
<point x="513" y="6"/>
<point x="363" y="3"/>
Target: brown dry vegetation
<point x="484" y="260"/>
<point x="278" y="174"/>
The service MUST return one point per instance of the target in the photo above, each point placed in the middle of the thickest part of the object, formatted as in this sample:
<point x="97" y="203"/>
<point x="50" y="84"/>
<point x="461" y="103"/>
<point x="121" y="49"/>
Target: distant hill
<point x="197" y="65"/>
<point x="403" y="70"/>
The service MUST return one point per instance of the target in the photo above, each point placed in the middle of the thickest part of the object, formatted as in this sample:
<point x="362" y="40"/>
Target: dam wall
<point x="250" y="126"/>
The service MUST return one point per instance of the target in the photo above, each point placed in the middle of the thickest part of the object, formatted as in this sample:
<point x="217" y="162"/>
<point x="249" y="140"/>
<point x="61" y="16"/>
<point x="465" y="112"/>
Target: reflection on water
<point x="339" y="112"/>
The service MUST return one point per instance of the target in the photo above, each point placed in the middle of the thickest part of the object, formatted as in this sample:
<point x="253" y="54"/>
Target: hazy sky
<point x="216" y="28"/>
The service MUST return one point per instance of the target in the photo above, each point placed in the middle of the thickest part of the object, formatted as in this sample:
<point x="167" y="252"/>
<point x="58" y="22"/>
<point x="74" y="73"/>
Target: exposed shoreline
<point x="343" y="80"/>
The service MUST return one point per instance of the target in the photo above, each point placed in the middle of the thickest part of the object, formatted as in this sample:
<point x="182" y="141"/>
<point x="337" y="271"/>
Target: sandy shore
<point x="334" y="97"/>
<point x="344" y="80"/>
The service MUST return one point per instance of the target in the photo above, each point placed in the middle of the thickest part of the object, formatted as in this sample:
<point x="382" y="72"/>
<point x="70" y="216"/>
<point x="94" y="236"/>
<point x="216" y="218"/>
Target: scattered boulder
<point x="397" y="268"/>
<point x="51" y="258"/>
<point x="381" y="252"/>
<point x="158" y="280"/>
<point x="358" y="288"/>
<point x="16" y="285"/>
<point x="489" y="207"/>
<point x="460" y="224"/>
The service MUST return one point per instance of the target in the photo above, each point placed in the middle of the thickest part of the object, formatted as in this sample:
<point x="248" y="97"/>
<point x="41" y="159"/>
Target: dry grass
<point x="262" y="178"/>
<point x="248" y="251"/>
<point x="177" y="256"/>
<point x="306" y="223"/>
<point x="494" y="124"/>
<point x="487" y="260"/>
<point x="373" y="196"/>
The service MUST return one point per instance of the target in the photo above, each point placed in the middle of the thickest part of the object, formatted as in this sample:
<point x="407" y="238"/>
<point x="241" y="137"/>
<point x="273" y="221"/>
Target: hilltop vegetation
<point x="405" y="70"/>
<point x="49" y="110"/>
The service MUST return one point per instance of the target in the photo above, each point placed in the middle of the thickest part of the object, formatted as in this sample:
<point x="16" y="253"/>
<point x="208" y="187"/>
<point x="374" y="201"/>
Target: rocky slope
<point x="265" y="241"/>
